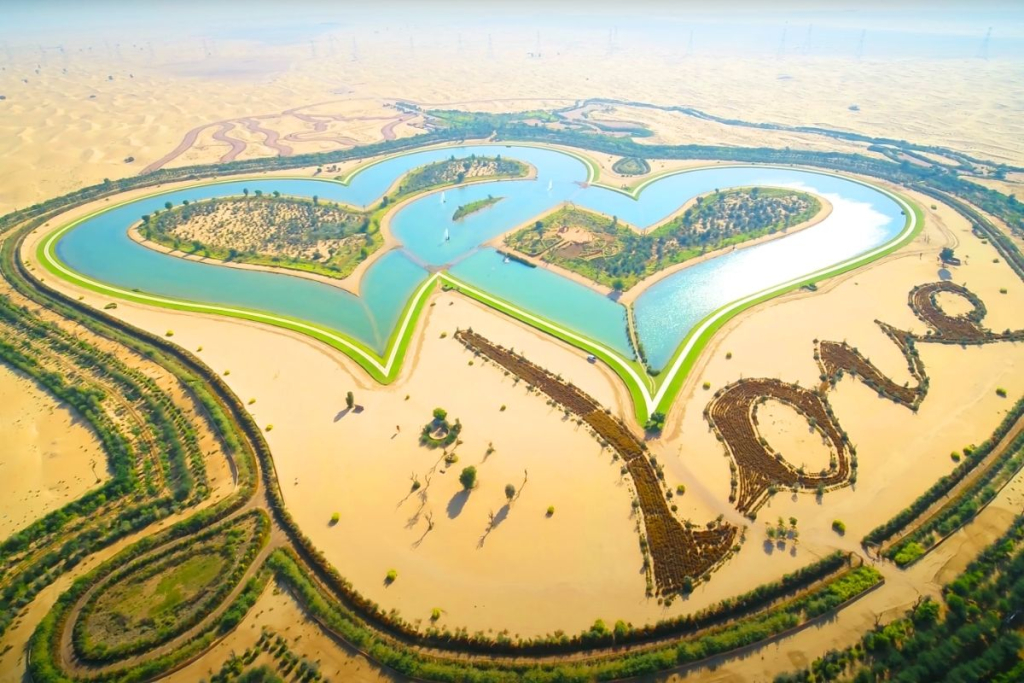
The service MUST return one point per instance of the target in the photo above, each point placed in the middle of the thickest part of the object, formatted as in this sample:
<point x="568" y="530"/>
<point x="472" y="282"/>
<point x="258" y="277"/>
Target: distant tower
<point x="807" y="39"/>
<point x="782" y="41"/>
<point x="983" y="51"/>
<point x="611" y="42"/>
<point x="355" y="50"/>
<point x="490" y="47"/>
<point x="689" y="45"/>
<point x="312" y="49"/>
<point x="537" y="48"/>
<point x="860" y="44"/>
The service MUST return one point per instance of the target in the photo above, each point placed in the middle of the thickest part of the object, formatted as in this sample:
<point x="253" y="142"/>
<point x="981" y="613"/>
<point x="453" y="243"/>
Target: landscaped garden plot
<point x="606" y="251"/>
<point x="759" y="470"/>
<point x="631" y="166"/>
<point x="680" y="555"/>
<point x="959" y="329"/>
<point x="151" y="601"/>
<point x="835" y="358"/>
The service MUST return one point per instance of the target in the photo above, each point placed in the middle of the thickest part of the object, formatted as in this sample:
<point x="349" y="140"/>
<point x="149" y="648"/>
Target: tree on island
<point x="946" y="254"/>
<point x="510" y="492"/>
<point x="468" y="478"/>
<point x="350" y="400"/>
<point x="440" y="414"/>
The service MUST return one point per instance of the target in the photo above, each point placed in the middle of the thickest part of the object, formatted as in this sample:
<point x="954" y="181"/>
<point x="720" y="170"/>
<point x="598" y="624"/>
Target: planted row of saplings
<point x="941" y="488"/>
<point x="680" y="554"/>
<point x="708" y="635"/>
<point x="237" y="541"/>
<point x="45" y="647"/>
<point x="145" y="513"/>
<point x="175" y="434"/>
<point x="962" y="509"/>
<point x="87" y="400"/>
<point x="834" y="358"/>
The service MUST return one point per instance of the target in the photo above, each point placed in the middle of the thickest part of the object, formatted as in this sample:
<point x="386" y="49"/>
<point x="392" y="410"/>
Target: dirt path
<point x="270" y="137"/>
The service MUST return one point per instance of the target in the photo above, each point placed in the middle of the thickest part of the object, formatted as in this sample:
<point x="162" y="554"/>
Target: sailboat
<point x="442" y="197"/>
<point x="551" y="183"/>
<point x="447" y="237"/>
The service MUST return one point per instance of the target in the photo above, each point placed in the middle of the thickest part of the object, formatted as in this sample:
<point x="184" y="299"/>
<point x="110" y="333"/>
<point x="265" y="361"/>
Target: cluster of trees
<point x="279" y="231"/>
<point x="410" y="662"/>
<point x="973" y="636"/>
<point x="473" y="207"/>
<point x="456" y="171"/>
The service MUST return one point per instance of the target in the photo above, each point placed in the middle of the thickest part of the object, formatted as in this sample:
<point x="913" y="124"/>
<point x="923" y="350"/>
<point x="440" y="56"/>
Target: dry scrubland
<point x="60" y="130"/>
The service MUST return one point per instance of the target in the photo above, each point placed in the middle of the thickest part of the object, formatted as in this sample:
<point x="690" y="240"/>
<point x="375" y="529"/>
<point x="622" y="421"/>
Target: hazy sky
<point x="908" y="28"/>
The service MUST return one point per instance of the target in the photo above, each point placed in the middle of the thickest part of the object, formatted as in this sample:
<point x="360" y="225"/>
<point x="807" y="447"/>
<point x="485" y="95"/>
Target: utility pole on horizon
<point x="983" y="52"/>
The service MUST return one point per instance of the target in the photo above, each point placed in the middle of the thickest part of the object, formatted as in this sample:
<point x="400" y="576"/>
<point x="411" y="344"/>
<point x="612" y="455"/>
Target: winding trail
<point x="237" y="146"/>
<point x="270" y="137"/>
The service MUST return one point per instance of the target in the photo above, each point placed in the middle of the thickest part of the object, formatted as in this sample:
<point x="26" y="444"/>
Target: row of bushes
<point x="615" y="666"/>
<point x="179" y="458"/>
<point x="942" y="487"/>
<point x="89" y="651"/>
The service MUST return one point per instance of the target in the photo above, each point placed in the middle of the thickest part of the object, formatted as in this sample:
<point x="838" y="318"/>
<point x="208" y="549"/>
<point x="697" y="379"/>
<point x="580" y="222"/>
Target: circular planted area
<point x="162" y="595"/>
<point x="631" y="166"/>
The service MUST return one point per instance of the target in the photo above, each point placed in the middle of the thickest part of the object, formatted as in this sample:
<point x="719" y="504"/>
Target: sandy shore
<point x="50" y="457"/>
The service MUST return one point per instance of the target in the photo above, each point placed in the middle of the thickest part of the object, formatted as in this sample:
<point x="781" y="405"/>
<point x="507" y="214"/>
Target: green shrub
<point x="335" y="518"/>
<point x="838" y="527"/>
<point x="468" y="478"/>
<point x="391" y="576"/>
<point x="551" y="510"/>
<point x="1001" y="392"/>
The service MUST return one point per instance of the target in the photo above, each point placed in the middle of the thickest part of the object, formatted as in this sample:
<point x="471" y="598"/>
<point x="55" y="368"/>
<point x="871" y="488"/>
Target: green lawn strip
<point x="676" y="382"/>
<point x="614" y="361"/>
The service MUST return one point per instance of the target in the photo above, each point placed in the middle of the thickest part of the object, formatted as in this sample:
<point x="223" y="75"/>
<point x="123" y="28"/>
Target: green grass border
<point x="385" y="368"/>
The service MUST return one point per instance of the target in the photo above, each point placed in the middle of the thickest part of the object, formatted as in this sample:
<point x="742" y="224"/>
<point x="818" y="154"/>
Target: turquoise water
<point x="862" y="219"/>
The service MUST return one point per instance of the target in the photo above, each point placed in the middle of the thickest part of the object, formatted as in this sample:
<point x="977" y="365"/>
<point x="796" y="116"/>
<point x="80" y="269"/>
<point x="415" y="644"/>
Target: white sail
<point x="551" y="183"/>
<point x="442" y="197"/>
<point x="447" y="237"/>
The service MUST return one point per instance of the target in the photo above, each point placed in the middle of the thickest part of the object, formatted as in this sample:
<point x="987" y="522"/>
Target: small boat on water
<point x="507" y="260"/>
<point x="442" y="198"/>
<point x="551" y="184"/>
<point x="447" y="236"/>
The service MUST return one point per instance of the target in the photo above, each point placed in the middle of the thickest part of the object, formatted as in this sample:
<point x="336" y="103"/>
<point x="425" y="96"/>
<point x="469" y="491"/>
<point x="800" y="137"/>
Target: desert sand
<point x="50" y="456"/>
<point x="171" y="106"/>
<point x="361" y="465"/>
